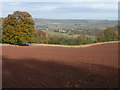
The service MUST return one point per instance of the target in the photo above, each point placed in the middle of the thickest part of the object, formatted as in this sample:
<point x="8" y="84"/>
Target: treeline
<point x="109" y="34"/>
<point x="48" y="38"/>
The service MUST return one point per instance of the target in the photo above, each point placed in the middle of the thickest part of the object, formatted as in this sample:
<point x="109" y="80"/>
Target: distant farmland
<point x="73" y="24"/>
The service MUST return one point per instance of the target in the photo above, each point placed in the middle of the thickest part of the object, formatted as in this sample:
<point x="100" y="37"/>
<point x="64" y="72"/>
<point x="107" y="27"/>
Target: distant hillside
<point x="90" y="27"/>
<point x="70" y="23"/>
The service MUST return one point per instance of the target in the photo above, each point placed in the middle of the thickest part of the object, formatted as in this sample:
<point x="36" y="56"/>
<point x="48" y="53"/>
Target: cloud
<point x="94" y="5"/>
<point x="0" y="9"/>
<point x="111" y="6"/>
<point x="60" y="0"/>
<point x="64" y="9"/>
<point x="45" y="8"/>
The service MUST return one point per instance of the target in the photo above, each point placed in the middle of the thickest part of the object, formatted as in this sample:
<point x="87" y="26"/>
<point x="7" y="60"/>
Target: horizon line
<point x="71" y="19"/>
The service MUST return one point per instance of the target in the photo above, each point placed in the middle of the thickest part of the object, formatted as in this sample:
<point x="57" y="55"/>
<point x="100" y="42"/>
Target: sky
<point x="59" y="9"/>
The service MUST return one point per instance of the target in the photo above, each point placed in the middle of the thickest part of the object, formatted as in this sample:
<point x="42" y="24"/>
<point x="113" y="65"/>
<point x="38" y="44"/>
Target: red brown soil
<point x="58" y="67"/>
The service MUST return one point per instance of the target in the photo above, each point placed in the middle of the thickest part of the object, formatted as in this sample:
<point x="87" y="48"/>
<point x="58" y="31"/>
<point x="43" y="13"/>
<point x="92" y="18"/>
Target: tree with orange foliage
<point x="18" y="28"/>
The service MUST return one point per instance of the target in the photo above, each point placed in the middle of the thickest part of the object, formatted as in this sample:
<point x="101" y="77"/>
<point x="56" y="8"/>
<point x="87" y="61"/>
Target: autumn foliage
<point x="41" y="34"/>
<point x="109" y="34"/>
<point x="18" y="28"/>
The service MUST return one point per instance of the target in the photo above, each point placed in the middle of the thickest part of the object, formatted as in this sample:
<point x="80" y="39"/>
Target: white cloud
<point x="94" y="5"/>
<point x="72" y="10"/>
<point x="18" y="6"/>
<point x="60" y="0"/>
<point x="32" y="8"/>
<point x="45" y="8"/>
<point x="111" y="6"/>
<point x="0" y="9"/>
<point x="104" y="6"/>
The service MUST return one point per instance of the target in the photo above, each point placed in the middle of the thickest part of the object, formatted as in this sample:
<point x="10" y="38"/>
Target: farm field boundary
<point x="55" y="45"/>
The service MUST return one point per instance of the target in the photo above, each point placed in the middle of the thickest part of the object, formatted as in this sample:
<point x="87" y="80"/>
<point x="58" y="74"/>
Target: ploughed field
<point x="58" y="67"/>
